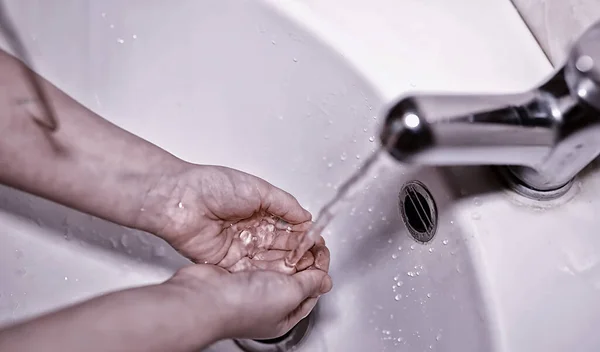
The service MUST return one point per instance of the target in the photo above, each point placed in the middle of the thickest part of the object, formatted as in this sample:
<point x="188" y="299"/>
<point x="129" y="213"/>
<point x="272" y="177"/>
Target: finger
<point x="310" y="282"/>
<point x="305" y="262"/>
<point x="271" y="254"/>
<point x="321" y="240"/>
<point x="326" y="284"/>
<point x="301" y="312"/>
<point x="273" y="265"/>
<point x="284" y="225"/>
<point x="286" y="241"/>
<point x="291" y="240"/>
<point x="321" y="256"/>
<point x="280" y="203"/>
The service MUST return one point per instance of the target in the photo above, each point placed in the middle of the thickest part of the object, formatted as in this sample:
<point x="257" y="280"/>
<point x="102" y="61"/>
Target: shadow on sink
<point x="86" y="230"/>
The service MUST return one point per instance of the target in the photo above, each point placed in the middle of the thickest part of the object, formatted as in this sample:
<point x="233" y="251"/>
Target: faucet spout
<point x="546" y="135"/>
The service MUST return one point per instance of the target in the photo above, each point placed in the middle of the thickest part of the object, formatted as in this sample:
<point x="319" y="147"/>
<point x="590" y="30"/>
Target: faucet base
<point x="515" y="184"/>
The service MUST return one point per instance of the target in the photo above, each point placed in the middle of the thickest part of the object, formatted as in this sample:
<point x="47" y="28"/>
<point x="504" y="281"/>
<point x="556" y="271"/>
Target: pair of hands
<point x="242" y="228"/>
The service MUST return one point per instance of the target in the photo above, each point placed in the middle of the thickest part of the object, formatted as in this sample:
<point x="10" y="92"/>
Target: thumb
<point x="312" y="282"/>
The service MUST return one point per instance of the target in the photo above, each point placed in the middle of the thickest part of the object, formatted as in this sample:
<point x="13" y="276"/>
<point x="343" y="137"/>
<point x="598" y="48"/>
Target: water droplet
<point x="396" y="278"/>
<point x="343" y="157"/>
<point x="330" y="122"/>
<point x="390" y="241"/>
<point x="111" y="26"/>
<point x="374" y="117"/>
<point x="374" y="176"/>
<point x="410" y="273"/>
<point x="180" y="205"/>
<point x="445" y="242"/>
<point x="370" y="210"/>
<point x="394" y="256"/>
<point x="103" y="14"/>
<point x="273" y="42"/>
<point x="451" y="222"/>
<point x="134" y="36"/>
<point x="400" y="339"/>
<point x="357" y="156"/>
<point x="438" y="337"/>
<point x="371" y="139"/>
<point x="295" y="60"/>
<point x="120" y="41"/>
<point x="398" y="297"/>
<point x="280" y="117"/>
<point x="429" y="295"/>
<point x="66" y="278"/>
<point x="412" y="247"/>
<point x="431" y="250"/>
<point x="326" y="136"/>
<point x="477" y="201"/>
<point x="475" y="216"/>
<point x="399" y="283"/>
<point x="365" y="129"/>
<point x="18" y="254"/>
<point x="330" y="165"/>
<point x="383" y="218"/>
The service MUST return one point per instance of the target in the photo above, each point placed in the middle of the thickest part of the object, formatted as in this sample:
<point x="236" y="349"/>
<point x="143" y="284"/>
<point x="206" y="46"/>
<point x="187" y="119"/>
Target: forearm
<point x="153" y="318"/>
<point x="87" y="163"/>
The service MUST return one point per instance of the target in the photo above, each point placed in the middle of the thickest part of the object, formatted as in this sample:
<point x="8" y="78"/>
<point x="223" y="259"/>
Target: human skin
<point x="238" y="227"/>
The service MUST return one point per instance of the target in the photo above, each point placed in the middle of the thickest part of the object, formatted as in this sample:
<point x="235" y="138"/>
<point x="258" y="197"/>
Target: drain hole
<point x="418" y="217"/>
<point x="278" y="339"/>
<point x="418" y="211"/>
<point x="287" y="342"/>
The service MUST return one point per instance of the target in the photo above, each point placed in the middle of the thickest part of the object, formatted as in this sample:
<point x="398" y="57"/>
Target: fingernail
<point x="326" y="284"/>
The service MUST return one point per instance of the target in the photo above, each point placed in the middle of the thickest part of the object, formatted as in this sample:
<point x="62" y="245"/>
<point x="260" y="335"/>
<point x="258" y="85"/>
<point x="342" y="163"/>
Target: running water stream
<point x="344" y="195"/>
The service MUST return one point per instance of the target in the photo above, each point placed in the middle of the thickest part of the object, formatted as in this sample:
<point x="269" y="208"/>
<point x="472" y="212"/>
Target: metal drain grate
<point x="418" y="211"/>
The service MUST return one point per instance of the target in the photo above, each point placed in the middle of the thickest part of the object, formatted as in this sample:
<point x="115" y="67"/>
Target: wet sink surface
<point x="263" y="95"/>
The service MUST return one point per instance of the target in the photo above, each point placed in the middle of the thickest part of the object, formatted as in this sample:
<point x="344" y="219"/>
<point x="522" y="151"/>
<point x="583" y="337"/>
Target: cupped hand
<point x="217" y="215"/>
<point x="257" y="304"/>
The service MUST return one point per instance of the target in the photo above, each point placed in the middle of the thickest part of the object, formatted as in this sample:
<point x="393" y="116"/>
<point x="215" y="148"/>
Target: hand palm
<point x="235" y="220"/>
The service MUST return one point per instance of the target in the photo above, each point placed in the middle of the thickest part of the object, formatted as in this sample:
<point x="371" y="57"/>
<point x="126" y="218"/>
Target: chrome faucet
<point x="544" y="136"/>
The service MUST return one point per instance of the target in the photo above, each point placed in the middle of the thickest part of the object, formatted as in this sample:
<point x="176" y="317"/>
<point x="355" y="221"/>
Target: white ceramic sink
<point x="289" y="91"/>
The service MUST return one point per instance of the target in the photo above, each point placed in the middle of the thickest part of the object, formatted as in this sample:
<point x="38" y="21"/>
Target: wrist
<point x="206" y="318"/>
<point x="159" y="197"/>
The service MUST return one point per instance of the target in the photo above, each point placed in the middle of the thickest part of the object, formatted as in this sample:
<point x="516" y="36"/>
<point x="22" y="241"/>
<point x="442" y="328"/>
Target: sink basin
<point x="290" y="91"/>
